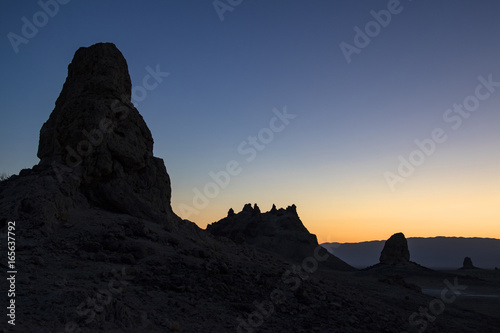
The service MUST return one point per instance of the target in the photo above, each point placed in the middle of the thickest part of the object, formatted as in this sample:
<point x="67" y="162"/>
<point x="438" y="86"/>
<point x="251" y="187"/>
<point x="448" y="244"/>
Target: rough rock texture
<point x="278" y="231"/>
<point x="395" y="250"/>
<point x="468" y="263"/>
<point x="97" y="139"/>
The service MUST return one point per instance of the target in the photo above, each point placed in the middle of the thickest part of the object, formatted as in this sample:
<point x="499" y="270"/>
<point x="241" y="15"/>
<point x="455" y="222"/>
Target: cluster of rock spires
<point x="279" y="231"/>
<point x="100" y="249"/>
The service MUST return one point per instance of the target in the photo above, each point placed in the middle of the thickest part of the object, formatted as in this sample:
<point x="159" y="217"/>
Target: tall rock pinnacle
<point x="96" y="138"/>
<point x="395" y="250"/>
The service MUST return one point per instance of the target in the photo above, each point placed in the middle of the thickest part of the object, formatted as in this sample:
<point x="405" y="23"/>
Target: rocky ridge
<point x="279" y="231"/>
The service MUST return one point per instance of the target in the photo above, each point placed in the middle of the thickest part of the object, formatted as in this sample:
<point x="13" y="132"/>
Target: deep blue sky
<point x="352" y="121"/>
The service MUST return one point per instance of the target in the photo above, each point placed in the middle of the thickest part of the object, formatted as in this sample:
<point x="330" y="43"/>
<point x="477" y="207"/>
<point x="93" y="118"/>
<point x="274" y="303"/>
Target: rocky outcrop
<point x="279" y="231"/>
<point x="96" y="139"/>
<point x="395" y="250"/>
<point x="394" y="260"/>
<point x="468" y="263"/>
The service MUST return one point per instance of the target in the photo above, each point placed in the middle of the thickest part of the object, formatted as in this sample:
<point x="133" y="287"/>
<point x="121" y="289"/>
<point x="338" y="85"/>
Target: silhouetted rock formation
<point x="468" y="263"/>
<point x="92" y="256"/>
<point x="434" y="252"/>
<point x="96" y="138"/>
<point x="96" y="130"/>
<point x="395" y="250"/>
<point x="395" y="260"/>
<point x="256" y="209"/>
<point x="279" y="231"/>
<point x="273" y="209"/>
<point x="248" y="208"/>
<point x="95" y="150"/>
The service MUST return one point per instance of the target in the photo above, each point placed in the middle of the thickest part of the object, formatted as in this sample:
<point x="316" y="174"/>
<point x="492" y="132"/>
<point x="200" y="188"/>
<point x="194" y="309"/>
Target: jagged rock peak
<point x="255" y="210"/>
<point x="96" y="138"/>
<point x="247" y="208"/>
<point x="292" y="209"/>
<point x="280" y="231"/>
<point x="395" y="250"/>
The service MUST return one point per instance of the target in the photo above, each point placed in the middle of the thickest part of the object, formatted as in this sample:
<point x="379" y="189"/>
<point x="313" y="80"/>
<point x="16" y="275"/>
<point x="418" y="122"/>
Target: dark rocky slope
<point x="279" y="231"/>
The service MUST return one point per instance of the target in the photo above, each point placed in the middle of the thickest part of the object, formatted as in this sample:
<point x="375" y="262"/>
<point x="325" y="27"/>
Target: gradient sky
<point x="352" y="120"/>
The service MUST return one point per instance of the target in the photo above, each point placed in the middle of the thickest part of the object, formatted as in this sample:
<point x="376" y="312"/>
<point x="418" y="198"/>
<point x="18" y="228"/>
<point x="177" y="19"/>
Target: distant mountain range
<point x="436" y="252"/>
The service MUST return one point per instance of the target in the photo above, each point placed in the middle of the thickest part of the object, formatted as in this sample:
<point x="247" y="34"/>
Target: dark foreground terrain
<point x="134" y="275"/>
<point x="99" y="249"/>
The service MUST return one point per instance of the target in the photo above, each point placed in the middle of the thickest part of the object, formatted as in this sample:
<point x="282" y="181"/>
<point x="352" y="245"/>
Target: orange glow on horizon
<point x="354" y="209"/>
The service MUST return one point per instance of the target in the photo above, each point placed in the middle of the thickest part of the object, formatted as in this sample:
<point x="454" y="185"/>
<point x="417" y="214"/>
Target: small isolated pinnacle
<point x="468" y="263"/>
<point x="395" y="250"/>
